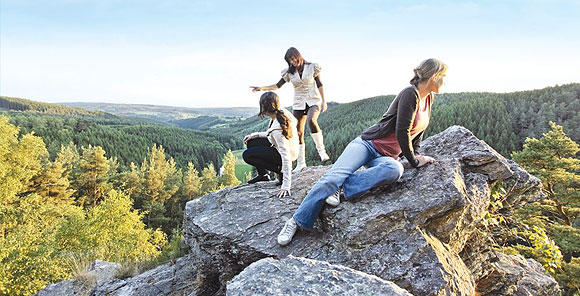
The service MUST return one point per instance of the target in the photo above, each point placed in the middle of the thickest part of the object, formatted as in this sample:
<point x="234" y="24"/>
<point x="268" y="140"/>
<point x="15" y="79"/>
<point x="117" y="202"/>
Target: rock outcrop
<point x="418" y="234"/>
<point x="301" y="276"/>
<point x="98" y="273"/>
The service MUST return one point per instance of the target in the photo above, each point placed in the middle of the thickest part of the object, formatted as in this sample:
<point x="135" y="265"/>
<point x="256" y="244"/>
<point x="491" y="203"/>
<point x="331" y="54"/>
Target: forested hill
<point x="124" y="138"/>
<point x="167" y="113"/>
<point x="19" y="104"/>
<point x="503" y="120"/>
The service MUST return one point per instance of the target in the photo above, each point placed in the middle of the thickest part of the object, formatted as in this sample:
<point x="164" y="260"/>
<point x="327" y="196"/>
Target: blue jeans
<point x="380" y="170"/>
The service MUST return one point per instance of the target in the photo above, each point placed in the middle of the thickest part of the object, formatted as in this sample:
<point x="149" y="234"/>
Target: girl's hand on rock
<point x="284" y="193"/>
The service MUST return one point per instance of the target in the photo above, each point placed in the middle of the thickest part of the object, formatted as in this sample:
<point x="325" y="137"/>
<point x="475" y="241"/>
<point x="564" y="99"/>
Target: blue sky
<point x="208" y="53"/>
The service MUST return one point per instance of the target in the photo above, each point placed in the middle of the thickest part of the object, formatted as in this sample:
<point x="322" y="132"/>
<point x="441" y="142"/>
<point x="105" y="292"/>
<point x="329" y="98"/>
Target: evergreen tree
<point x="68" y="157"/>
<point x="52" y="184"/>
<point x="92" y="180"/>
<point x="157" y="181"/>
<point x="209" y="180"/>
<point x="228" y="177"/>
<point x="551" y="158"/>
<point x="191" y="183"/>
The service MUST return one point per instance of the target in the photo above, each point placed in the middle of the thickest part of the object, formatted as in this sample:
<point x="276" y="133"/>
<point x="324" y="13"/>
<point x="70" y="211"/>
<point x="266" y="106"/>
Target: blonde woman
<point x="378" y="148"/>
<point x="308" y="102"/>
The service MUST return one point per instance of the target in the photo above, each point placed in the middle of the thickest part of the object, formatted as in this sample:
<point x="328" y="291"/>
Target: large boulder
<point x="419" y="234"/>
<point x="515" y="275"/>
<point x="410" y="232"/>
<point x="301" y="276"/>
<point x="176" y="278"/>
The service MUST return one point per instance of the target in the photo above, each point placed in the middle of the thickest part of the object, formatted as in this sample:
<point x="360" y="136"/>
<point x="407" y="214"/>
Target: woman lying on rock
<point x="378" y="148"/>
<point x="276" y="148"/>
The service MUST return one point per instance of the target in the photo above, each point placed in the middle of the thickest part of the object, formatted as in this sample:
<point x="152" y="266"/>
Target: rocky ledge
<point x="418" y="235"/>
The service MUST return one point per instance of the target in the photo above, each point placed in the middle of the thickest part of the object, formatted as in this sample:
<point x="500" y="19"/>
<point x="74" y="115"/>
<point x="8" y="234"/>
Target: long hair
<point x="270" y="103"/>
<point x="292" y="52"/>
<point x="427" y="69"/>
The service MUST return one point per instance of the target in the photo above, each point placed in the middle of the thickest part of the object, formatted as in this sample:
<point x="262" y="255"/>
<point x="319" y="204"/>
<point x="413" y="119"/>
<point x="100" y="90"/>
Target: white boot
<point x="301" y="161"/>
<point x="318" y="140"/>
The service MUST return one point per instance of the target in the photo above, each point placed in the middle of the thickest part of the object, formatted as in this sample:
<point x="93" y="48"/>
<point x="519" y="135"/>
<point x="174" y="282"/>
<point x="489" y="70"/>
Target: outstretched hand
<point x="255" y="88"/>
<point x="284" y="193"/>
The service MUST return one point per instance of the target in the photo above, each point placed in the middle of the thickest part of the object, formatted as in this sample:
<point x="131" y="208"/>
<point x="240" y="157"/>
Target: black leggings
<point x="263" y="156"/>
<point x="309" y="115"/>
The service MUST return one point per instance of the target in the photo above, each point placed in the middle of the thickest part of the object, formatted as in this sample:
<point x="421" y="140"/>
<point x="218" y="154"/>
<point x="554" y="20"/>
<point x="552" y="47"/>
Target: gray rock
<point x="301" y="276"/>
<point x="179" y="278"/>
<point x="515" y="275"/>
<point x="410" y="232"/>
<point x="419" y="233"/>
<point x="459" y="143"/>
<point x="98" y="272"/>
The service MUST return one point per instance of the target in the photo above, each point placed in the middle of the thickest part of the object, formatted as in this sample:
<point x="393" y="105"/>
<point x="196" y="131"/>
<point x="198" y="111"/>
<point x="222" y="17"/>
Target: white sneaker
<point x="286" y="234"/>
<point x="334" y="199"/>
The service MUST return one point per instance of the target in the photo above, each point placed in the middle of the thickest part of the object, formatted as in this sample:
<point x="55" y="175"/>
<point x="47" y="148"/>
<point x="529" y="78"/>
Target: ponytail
<point x="427" y="69"/>
<point x="284" y="123"/>
<point x="269" y="103"/>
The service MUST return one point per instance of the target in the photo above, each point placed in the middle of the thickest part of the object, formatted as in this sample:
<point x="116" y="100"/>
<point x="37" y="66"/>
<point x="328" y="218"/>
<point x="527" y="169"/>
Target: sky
<point x="207" y="53"/>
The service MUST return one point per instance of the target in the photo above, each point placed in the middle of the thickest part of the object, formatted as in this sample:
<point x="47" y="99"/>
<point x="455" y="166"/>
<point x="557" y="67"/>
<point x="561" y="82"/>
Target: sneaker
<point x="286" y="234"/>
<point x="334" y="199"/>
<point x="259" y="178"/>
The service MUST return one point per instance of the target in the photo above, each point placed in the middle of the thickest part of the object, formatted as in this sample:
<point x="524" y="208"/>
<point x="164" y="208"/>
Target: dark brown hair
<point x="292" y="52"/>
<point x="270" y="103"/>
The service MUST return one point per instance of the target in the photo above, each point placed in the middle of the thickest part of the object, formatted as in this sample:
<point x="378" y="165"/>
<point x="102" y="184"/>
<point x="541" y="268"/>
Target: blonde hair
<point x="427" y="69"/>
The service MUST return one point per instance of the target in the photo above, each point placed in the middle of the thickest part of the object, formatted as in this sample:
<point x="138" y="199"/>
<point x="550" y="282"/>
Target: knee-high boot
<point x="301" y="161"/>
<point x="319" y="141"/>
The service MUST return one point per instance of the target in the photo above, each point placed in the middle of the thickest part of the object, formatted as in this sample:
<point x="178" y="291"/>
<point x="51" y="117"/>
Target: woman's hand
<point x="256" y="88"/>
<point x="284" y="193"/>
<point x="423" y="160"/>
<point x="247" y="138"/>
<point x="323" y="106"/>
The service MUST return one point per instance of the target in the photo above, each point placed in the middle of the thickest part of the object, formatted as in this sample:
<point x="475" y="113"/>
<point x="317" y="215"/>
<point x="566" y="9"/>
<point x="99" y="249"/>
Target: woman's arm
<point x="269" y="87"/>
<point x="255" y="135"/>
<point x="323" y="105"/>
<point x="406" y="110"/>
<point x="283" y="146"/>
<point x="262" y="88"/>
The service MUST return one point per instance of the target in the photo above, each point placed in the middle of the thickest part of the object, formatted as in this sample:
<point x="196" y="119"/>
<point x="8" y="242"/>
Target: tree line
<point x="503" y="120"/>
<point x="126" y="139"/>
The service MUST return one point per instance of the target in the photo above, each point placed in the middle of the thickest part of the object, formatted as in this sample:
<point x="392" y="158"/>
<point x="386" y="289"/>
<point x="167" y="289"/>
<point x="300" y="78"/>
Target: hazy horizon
<point x="289" y="105"/>
<point x="206" y="54"/>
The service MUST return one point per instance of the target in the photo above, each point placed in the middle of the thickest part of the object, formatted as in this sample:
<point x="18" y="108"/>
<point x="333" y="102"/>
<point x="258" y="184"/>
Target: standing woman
<point x="378" y="148"/>
<point x="308" y="103"/>
<point x="276" y="148"/>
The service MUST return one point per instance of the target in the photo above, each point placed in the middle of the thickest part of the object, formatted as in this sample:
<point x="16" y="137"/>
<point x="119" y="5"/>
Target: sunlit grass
<point x="242" y="168"/>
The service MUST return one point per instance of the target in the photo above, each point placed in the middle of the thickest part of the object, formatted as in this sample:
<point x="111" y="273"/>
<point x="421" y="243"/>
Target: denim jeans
<point x="380" y="170"/>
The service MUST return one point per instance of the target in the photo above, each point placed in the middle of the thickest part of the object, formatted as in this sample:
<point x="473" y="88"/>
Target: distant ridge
<point x="20" y="104"/>
<point x="164" y="113"/>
